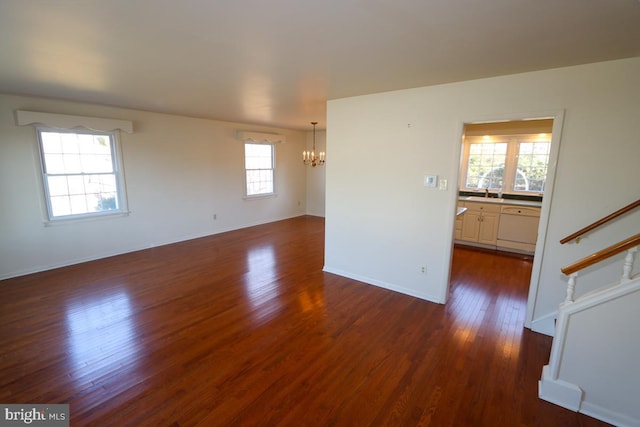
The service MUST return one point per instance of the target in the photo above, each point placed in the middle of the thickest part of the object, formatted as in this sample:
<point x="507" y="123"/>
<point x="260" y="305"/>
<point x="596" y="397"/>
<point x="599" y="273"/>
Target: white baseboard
<point x="559" y="392"/>
<point x="608" y="416"/>
<point x="381" y="284"/>
<point x="569" y="396"/>
<point x="545" y="325"/>
<point x="135" y="248"/>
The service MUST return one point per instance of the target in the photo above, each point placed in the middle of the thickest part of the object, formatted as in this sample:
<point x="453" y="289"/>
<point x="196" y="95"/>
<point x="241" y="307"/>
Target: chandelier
<point x="309" y="157"/>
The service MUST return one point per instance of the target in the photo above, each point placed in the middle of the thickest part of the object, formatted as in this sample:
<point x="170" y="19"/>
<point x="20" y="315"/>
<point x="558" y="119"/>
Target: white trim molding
<point x="545" y="324"/>
<point x="64" y="121"/>
<point x="611" y="417"/>
<point x="579" y="397"/>
<point x="260" y="137"/>
<point x="559" y="392"/>
<point x="383" y="284"/>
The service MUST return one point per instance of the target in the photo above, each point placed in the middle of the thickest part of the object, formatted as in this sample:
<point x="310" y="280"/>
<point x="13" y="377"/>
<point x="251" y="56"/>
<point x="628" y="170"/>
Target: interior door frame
<point x="547" y="200"/>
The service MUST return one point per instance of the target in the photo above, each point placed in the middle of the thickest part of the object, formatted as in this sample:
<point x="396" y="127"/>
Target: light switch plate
<point x="442" y="184"/>
<point x="431" y="181"/>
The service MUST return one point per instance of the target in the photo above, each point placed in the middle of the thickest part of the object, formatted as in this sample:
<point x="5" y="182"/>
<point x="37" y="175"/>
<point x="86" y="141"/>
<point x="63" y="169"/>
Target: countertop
<point x="479" y="199"/>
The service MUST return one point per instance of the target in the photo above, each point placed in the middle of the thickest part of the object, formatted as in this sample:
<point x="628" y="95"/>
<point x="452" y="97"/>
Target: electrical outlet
<point x="423" y="269"/>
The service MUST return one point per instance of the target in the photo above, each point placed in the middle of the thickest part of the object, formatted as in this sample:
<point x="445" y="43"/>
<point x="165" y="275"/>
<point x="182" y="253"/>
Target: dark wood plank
<point x="243" y="329"/>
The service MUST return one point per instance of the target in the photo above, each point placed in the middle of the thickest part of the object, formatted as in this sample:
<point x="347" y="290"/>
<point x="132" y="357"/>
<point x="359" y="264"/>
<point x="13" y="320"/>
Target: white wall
<point x="592" y="368"/>
<point x="179" y="172"/>
<point x="316" y="177"/>
<point x="608" y="375"/>
<point x="383" y="225"/>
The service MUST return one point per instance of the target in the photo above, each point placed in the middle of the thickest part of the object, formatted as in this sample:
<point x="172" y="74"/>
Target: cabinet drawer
<point x="483" y="207"/>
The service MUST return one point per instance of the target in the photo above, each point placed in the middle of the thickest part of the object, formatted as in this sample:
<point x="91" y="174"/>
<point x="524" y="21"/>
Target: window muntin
<point x="81" y="175"/>
<point x="259" y="169"/>
<point x="532" y="164"/>
<point x="514" y="164"/>
<point x="486" y="164"/>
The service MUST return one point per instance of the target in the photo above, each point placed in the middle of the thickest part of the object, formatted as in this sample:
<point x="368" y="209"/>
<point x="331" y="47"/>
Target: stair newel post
<point x="571" y="288"/>
<point x="628" y="265"/>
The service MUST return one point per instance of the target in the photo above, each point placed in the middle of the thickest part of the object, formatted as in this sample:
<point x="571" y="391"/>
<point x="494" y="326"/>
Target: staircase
<point x="594" y="356"/>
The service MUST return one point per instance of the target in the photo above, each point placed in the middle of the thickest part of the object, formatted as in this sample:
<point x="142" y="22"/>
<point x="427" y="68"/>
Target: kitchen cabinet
<point x="457" y="233"/>
<point x="480" y="223"/>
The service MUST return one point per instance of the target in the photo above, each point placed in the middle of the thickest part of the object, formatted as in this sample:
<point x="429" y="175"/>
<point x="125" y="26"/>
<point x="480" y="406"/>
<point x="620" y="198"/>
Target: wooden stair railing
<point x="630" y="245"/>
<point x="576" y="236"/>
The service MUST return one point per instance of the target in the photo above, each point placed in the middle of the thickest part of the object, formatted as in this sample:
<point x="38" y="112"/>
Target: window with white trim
<point x="512" y="164"/>
<point x="259" y="162"/>
<point x="81" y="173"/>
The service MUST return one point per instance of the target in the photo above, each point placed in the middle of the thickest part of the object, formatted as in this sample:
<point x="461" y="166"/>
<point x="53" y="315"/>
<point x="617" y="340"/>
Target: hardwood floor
<point x="244" y="329"/>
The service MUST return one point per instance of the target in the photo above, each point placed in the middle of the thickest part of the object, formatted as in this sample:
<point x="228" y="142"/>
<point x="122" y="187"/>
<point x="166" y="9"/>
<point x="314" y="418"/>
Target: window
<point x="81" y="173"/>
<point x="514" y="164"/>
<point x="486" y="165"/>
<point x="532" y="164"/>
<point x="259" y="161"/>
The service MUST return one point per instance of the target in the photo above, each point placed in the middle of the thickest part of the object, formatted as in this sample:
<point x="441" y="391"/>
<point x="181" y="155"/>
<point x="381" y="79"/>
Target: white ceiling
<point x="277" y="62"/>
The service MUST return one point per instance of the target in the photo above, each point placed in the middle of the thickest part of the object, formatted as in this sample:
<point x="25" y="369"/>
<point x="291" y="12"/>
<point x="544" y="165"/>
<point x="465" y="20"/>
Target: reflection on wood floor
<point x="243" y="329"/>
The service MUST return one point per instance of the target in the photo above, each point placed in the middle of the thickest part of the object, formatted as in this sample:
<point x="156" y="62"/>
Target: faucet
<point x="486" y="192"/>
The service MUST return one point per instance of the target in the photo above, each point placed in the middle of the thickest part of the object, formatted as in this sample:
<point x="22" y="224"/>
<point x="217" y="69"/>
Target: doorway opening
<point x="505" y="184"/>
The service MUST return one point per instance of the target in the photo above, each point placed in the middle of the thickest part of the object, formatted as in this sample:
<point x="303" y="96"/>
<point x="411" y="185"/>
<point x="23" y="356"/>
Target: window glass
<point x="533" y="158"/>
<point x="486" y="165"/>
<point x="515" y="164"/>
<point x="80" y="173"/>
<point x="259" y="169"/>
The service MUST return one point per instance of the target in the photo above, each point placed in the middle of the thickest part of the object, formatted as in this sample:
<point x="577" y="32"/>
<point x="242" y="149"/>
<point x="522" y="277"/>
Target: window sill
<point x="260" y="196"/>
<point x="85" y="218"/>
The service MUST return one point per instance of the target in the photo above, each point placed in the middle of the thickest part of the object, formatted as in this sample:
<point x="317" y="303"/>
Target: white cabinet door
<point x="480" y="223"/>
<point x="470" y="226"/>
<point x="488" y="232"/>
